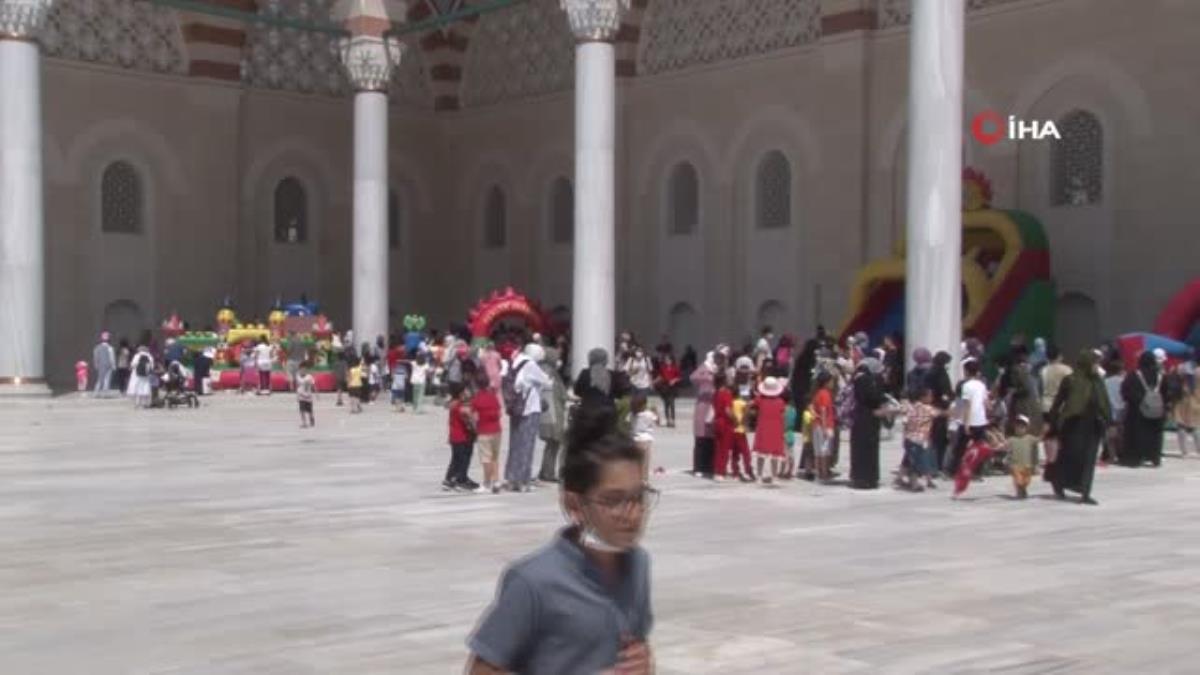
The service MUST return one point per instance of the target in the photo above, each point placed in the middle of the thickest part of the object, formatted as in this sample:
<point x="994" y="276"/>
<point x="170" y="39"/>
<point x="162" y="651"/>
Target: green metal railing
<point x="198" y="7"/>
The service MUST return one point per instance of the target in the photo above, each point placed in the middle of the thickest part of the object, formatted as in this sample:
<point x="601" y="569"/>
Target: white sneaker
<point x="481" y="490"/>
<point x="719" y="478"/>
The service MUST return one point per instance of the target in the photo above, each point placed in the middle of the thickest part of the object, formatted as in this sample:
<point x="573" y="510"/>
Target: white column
<point x="933" y="305"/>
<point x="593" y="305"/>
<point x="370" y="288"/>
<point x="22" y="219"/>
<point x="369" y="60"/>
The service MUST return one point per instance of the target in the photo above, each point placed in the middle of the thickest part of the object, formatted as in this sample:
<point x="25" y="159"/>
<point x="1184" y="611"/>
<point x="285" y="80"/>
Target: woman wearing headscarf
<point x="1020" y="387"/>
<point x="802" y="374"/>
<point x="864" y="430"/>
<point x="702" y="379"/>
<point x="553" y="423"/>
<point x="938" y="382"/>
<point x="598" y="386"/>
<point x="1080" y="414"/>
<point x="1143" y="439"/>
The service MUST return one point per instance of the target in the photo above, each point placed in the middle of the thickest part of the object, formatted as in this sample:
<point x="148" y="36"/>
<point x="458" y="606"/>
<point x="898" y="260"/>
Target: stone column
<point x="22" y="219"/>
<point x="933" y="316"/>
<point x="370" y="58"/>
<point x="593" y="306"/>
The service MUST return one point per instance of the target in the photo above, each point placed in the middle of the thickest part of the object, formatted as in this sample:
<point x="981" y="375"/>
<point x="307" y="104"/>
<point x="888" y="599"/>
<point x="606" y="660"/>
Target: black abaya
<point x="864" y="433"/>
<point x="1143" y="437"/>
<point x="1075" y="466"/>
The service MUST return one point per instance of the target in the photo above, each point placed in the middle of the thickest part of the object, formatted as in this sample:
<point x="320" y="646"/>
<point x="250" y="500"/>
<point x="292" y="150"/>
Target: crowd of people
<point x="773" y="410"/>
<point x="1026" y="411"/>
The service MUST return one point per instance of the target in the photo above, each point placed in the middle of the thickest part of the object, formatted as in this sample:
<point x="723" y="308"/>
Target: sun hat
<point x="771" y="387"/>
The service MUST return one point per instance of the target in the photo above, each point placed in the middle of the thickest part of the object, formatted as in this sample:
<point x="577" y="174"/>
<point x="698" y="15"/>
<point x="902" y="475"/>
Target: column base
<point x="11" y="387"/>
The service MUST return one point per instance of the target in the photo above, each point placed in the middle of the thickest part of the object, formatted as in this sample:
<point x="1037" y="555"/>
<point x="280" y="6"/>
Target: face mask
<point x="590" y="538"/>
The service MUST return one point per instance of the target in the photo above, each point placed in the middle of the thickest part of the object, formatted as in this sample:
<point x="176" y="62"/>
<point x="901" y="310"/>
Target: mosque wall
<point x="748" y="191"/>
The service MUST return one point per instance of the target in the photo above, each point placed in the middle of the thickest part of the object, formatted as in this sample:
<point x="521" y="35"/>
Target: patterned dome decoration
<point x="121" y="33"/>
<point x="526" y="50"/>
<point x="291" y="59"/>
<point x="681" y="34"/>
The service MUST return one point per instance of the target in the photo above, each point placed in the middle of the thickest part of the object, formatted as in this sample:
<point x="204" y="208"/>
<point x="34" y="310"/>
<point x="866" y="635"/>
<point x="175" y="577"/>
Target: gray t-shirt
<point x="554" y="614"/>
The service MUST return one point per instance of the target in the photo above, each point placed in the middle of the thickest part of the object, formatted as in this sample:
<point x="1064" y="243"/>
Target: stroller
<point x="175" y="388"/>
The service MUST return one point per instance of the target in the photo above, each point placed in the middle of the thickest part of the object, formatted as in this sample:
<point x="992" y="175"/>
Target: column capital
<point x="23" y="19"/>
<point x="370" y="55"/>
<point x="594" y="20"/>
<point x="370" y="60"/>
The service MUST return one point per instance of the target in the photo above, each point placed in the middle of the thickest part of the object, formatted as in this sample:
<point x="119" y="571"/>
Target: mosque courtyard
<point x="228" y="540"/>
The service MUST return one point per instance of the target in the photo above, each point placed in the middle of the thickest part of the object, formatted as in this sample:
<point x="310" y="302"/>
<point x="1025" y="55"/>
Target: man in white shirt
<point x="529" y="382"/>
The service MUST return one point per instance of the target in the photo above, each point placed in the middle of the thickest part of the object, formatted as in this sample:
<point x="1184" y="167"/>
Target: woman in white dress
<point x="140" y="370"/>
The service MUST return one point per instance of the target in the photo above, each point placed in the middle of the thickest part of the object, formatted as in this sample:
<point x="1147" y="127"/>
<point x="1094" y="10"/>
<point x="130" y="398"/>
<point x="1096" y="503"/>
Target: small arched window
<point x="394" y="216"/>
<point x="495" y="219"/>
<point x="1077" y="161"/>
<point x="562" y="211"/>
<point x="773" y="191"/>
<point x="683" y="199"/>
<point x="121" y="205"/>
<point x="291" y="212"/>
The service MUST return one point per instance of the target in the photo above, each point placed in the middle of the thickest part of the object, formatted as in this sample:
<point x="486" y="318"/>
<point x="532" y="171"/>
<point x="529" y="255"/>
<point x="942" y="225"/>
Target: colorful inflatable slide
<point x="1180" y="319"/>
<point x="1005" y="273"/>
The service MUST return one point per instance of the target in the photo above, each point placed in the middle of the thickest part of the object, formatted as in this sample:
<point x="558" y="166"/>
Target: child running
<point x="462" y="442"/>
<point x="306" y="388"/>
<point x="1022" y="456"/>
<point x="769" y="434"/>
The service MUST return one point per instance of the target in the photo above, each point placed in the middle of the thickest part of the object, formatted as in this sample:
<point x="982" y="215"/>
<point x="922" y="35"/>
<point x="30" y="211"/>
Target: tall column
<point x="593" y="305"/>
<point x="933" y="316"/>
<point x="370" y="57"/>
<point x="22" y="219"/>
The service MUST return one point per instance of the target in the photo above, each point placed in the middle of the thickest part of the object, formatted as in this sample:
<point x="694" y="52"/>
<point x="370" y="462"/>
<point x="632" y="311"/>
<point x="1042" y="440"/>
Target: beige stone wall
<point x="212" y="153"/>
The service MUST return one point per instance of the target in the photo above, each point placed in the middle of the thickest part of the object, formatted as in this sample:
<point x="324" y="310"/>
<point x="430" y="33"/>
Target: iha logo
<point x="989" y="128"/>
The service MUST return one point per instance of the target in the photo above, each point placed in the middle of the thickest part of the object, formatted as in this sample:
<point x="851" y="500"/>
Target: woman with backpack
<point x="1079" y="415"/>
<point x="1144" y="414"/>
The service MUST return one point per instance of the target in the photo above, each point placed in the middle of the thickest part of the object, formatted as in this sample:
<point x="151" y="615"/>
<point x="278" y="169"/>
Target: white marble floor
<point x="228" y="540"/>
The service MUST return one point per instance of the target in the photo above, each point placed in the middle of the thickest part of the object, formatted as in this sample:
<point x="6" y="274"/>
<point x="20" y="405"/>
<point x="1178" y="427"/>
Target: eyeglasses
<point x="644" y="499"/>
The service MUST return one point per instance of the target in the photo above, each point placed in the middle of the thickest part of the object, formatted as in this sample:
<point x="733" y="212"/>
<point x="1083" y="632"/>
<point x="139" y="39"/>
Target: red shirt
<point x="394" y="356"/>
<point x="460" y="431"/>
<point x="722" y="405"/>
<point x="823" y="409"/>
<point x="670" y="373"/>
<point x="486" y="405"/>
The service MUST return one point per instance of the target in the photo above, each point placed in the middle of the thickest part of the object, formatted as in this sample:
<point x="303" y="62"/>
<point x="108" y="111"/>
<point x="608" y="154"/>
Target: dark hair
<point x="823" y="378"/>
<point x="971" y="368"/>
<point x="1052" y="352"/>
<point x="593" y="443"/>
<point x="456" y="390"/>
<point x="720" y="380"/>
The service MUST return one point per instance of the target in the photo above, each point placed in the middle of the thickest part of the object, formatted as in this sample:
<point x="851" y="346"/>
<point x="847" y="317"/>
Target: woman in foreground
<point x="580" y="604"/>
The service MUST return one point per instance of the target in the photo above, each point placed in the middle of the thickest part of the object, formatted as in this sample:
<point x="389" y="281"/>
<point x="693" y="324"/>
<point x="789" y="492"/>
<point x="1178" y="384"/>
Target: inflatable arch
<point x="506" y="304"/>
